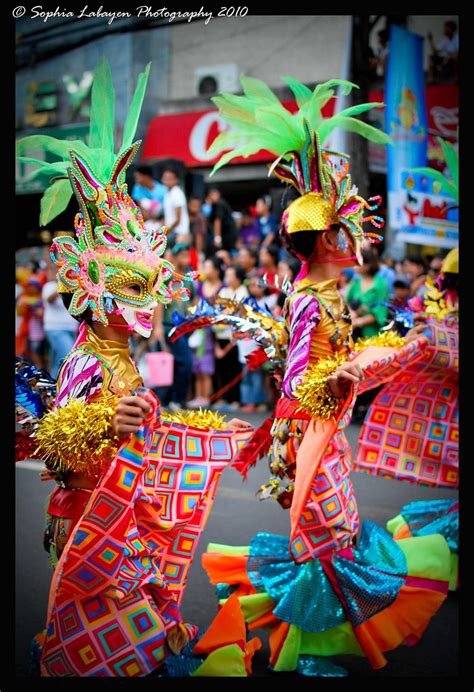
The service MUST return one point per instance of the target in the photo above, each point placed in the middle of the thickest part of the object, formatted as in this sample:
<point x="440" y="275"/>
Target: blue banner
<point x="405" y="113"/>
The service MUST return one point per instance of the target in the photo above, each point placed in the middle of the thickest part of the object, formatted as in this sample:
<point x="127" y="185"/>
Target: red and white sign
<point x="188" y="136"/>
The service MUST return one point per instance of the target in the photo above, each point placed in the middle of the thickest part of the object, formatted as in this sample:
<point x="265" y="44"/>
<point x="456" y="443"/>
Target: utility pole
<point x="358" y="146"/>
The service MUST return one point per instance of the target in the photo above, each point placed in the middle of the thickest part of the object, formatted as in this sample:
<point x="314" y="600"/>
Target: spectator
<point x="31" y="338"/>
<point x="175" y="208"/>
<point x="269" y="255"/>
<point x="364" y="296"/>
<point x="228" y="366"/>
<point x="287" y="268"/>
<point x="414" y="269"/>
<point x="223" y="226"/>
<point x="401" y="293"/>
<point x="59" y="325"/>
<point x="434" y="271"/>
<point x="444" y="57"/>
<point x="267" y="222"/>
<point x="198" y="227"/>
<point x="247" y="258"/>
<point x="386" y="271"/>
<point x="148" y="193"/>
<point x="175" y="396"/>
<point x="250" y="234"/>
<point x="345" y="279"/>
<point x="202" y="340"/>
<point x="379" y="63"/>
<point x="224" y="257"/>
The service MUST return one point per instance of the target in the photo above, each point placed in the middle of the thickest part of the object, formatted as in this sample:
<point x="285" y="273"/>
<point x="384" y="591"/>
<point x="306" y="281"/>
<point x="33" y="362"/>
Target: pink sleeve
<point x="79" y="378"/>
<point x="304" y="317"/>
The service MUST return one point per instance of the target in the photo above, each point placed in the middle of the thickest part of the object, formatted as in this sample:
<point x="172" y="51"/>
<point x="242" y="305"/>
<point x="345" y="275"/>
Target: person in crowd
<point x="433" y="271"/>
<point x="175" y="208"/>
<point x="224" y="257"/>
<point x="223" y="226"/>
<point x="414" y="269"/>
<point x="176" y="395"/>
<point x="226" y="353"/>
<point x="367" y="290"/>
<point x="268" y="263"/>
<point x="250" y="234"/>
<point x="444" y="54"/>
<point x="59" y="325"/>
<point x="385" y="270"/>
<point x="344" y="282"/>
<point x="198" y="227"/>
<point x="378" y="62"/>
<point x="202" y="340"/>
<point x="31" y="331"/>
<point x="401" y="293"/>
<point x="149" y="194"/>
<point x="247" y="258"/>
<point x="267" y="222"/>
<point x="288" y="268"/>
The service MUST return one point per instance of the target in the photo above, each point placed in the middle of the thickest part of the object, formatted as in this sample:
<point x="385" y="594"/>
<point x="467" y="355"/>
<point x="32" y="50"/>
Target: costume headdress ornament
<point x="259" y="120"/>
<point x="113" y="248"/>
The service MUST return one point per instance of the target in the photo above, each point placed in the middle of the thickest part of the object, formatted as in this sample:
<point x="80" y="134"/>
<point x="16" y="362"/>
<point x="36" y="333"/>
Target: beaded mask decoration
<point x="260" y="121"/>
<point x="115" y="264"/>
<point x="113" y="248"/>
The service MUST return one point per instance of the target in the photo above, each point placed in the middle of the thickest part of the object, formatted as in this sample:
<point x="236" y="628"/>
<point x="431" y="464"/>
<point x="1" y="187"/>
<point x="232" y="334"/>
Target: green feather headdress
<point x="259" y="120"/>
<point x="100" y="148"/>
<point x="113" y="248"/>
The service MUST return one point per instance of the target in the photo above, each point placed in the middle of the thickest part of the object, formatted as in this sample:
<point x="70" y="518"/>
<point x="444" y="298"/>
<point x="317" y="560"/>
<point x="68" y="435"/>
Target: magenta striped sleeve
<point x="304" y="317"/>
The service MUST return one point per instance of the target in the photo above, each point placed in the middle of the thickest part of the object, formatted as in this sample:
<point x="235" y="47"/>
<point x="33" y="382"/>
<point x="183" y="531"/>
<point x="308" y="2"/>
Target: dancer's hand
<point x="342" y="378"/>
<point x="415" y="332"/>
<point x="130" y="414"/>
<point x="237" y="424"/>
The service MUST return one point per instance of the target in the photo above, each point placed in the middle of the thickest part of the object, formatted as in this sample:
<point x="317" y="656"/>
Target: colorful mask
<point x="115" y="265"/>
<point x="260" y="121"/>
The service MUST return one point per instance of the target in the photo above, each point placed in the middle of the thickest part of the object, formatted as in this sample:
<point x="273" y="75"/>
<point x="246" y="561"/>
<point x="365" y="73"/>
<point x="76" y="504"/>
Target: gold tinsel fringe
<point x="314" y="393"/>
<point x="387" y="338"/>
<point x="202" y="419"/>
<point x="78" y="437"/>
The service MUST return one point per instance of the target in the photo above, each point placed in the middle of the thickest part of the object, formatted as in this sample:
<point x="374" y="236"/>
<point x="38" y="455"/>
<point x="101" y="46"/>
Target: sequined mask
<point x="113" y="249"/>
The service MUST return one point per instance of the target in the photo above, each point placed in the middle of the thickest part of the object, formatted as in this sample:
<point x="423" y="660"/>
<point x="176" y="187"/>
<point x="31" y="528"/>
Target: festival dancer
<point x="320" y="593"/>
<point x="134" y="487"/>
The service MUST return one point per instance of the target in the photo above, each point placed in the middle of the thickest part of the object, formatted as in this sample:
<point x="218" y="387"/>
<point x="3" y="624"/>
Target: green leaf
<point x="133" y="115"/>
<point x="55" y="200"/>
<point x="102" y="120"/>
<point x="451" y="158"/>
<point x="60" y="147"/>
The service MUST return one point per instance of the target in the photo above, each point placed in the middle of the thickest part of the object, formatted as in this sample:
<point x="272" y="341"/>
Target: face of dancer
<point x="335" y="246"/>
<point x="140" y="320"/>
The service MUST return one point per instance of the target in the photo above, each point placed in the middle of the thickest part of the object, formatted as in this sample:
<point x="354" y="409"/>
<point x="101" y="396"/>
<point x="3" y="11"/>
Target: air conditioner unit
<point x="210" y="80"/>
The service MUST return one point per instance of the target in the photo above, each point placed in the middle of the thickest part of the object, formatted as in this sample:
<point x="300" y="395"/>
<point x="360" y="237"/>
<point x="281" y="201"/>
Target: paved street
<point x="236" y="515"/>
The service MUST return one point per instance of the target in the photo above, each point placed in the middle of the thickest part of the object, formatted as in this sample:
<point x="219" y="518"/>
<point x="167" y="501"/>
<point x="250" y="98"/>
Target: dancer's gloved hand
<point x="415" y="332"/>
<point x="130" y="414"/>
<point x="343" y="377"/>
<point x="237" y="424"/>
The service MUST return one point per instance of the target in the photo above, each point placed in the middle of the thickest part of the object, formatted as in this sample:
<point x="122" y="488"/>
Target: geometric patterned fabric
<point x="117" y="587"/>
<point x="330" y="519"/>
<point x="411" y="430"/>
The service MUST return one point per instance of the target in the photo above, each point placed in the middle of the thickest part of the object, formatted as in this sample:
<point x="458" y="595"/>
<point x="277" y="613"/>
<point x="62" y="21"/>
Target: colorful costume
<point x="126" y="517"/>
<point x="319" y="594"/>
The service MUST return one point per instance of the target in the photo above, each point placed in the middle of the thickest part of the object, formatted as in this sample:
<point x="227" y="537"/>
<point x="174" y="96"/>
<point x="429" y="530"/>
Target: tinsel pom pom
<point x="314" y="393"/>
<point x="78" y="437"/>
<point x="388" y="338"/>
<point x="202" y="419"/>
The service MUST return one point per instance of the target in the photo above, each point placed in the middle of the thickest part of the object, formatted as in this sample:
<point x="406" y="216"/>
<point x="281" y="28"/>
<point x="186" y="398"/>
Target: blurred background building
<point x="191" y="62"/>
